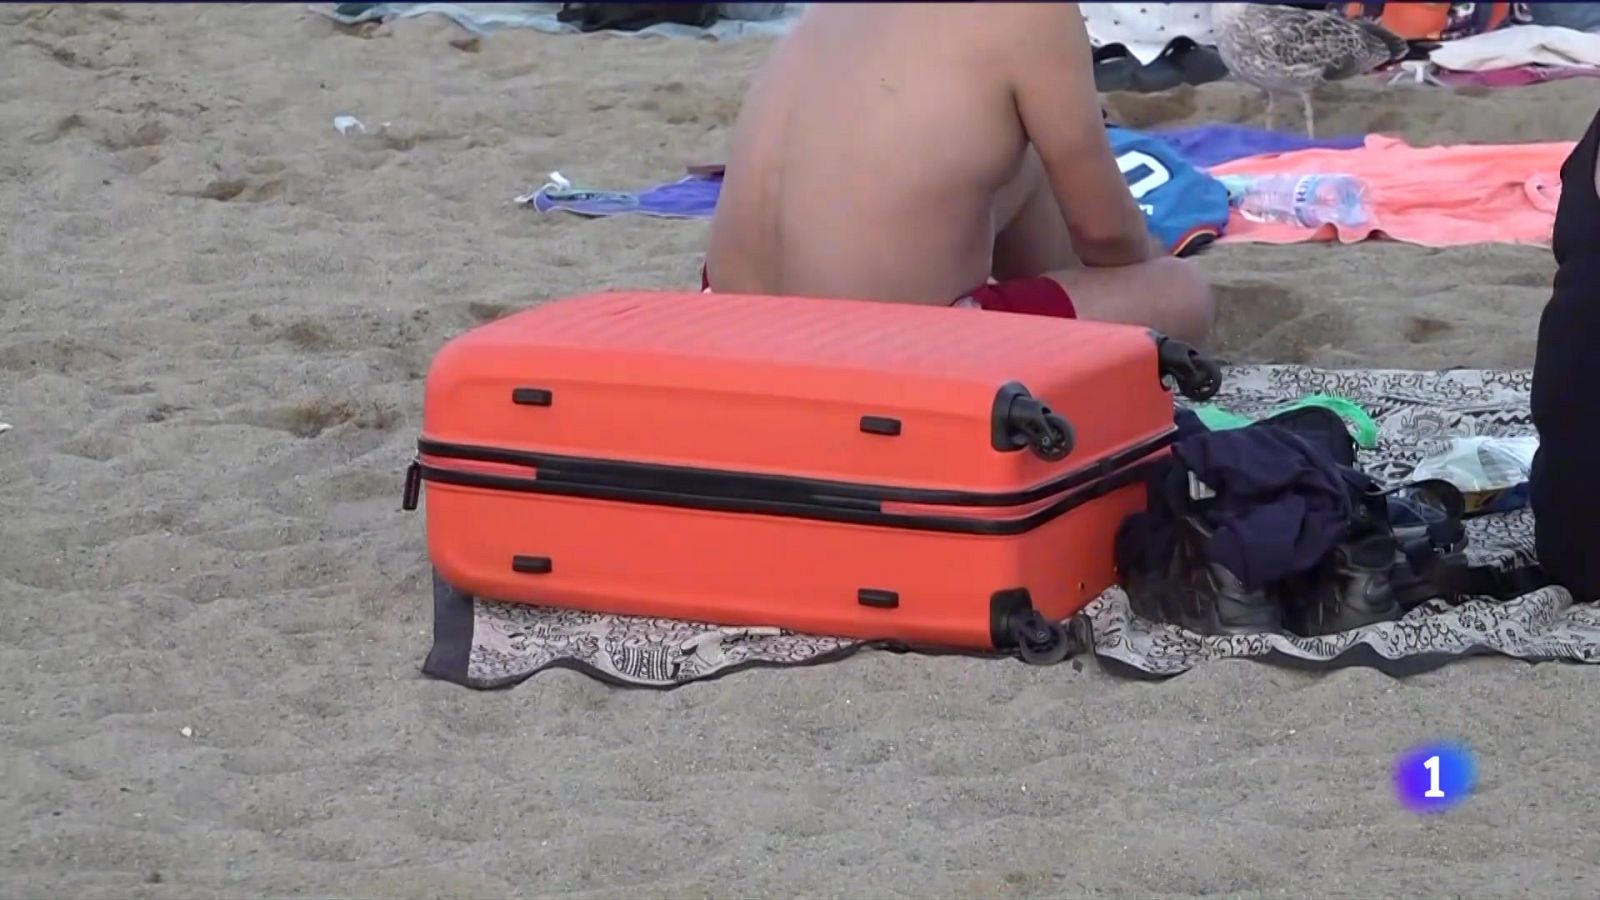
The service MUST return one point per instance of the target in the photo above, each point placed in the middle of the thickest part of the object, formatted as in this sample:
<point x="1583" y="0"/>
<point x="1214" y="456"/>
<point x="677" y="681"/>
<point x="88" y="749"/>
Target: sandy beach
<point x="216" y="313"/>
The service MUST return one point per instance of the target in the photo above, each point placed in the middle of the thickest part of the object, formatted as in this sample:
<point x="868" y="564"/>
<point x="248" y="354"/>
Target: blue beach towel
<point x="690" y="197"/>
<point x="1212" y="145"/>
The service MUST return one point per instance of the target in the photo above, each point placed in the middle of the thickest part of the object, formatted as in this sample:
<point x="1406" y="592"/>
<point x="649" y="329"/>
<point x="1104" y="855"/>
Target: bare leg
<point x="1167" y="294"/>
<point x="1311" y="128"/>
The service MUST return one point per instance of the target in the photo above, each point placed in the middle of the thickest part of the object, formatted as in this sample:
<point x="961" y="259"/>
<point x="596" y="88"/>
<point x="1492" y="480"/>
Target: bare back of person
<point x="885" y="152"/>
<point x="854" y="129"/>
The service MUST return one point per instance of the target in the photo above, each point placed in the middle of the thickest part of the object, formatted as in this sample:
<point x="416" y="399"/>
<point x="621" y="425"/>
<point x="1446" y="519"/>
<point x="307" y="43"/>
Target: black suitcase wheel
<point x="1021" y="420"/>
<point x="1198" y="377"/>
<point x="1039" y="641"/>
<point x="1208" y="379"/>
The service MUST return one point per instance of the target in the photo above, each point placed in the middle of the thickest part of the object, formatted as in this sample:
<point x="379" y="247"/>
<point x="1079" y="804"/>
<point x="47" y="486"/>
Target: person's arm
<point x="1052" y="77"/>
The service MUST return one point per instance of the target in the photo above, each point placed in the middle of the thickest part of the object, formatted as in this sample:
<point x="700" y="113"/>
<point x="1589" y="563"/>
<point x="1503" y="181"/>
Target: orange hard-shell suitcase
<point x="936" y="476"/>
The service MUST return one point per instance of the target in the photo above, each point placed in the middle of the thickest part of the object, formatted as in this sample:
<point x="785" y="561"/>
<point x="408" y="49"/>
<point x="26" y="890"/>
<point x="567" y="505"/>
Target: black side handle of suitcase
<point x="1197" y="376"/>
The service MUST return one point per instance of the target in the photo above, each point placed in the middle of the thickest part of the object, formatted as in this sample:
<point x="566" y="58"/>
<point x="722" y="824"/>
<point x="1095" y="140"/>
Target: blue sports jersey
<point x="1184" y="207"/>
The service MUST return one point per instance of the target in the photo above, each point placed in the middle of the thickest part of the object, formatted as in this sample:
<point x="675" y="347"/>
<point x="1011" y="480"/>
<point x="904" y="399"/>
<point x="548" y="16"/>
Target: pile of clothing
<point x="1271" y="528"/>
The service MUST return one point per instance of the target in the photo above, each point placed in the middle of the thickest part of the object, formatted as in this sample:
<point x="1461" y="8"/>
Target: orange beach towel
<point x="1433" y="196"/>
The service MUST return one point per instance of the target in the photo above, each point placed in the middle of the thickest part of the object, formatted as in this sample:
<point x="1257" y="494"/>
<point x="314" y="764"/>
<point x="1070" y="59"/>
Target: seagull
<point x="1286" y="50"/>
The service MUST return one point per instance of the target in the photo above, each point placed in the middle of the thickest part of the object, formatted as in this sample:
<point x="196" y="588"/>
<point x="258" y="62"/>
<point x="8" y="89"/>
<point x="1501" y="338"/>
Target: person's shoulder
<point x="1034" y="15"/>
<point x="1025" y="28"/>
<point x="1007" y="18"/>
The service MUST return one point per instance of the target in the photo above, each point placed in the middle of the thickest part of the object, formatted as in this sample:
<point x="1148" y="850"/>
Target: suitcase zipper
<point x="658" y="478"/>
<point x="858" y="515"/>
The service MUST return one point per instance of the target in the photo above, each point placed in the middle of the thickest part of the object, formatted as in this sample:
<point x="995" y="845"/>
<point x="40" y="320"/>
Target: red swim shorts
<point x="1037" y="296"/>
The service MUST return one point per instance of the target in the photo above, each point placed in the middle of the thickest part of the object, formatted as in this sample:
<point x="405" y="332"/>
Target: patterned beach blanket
<point x="484" y="644"/>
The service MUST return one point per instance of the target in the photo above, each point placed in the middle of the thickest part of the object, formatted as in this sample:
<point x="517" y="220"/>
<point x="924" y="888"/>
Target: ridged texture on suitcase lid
<point x="879" y="393"/>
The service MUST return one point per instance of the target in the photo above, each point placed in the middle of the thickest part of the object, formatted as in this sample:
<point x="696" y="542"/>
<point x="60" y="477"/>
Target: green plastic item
<point x="1366" y="430"/>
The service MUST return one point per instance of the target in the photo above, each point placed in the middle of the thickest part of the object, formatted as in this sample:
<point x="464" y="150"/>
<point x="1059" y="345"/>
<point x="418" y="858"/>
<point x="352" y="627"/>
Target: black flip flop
<point x="1159" y="74"/>
<point x="1114" y="68"/>
<point x="1200" y="64"/>
<point x="1182" y="61"/>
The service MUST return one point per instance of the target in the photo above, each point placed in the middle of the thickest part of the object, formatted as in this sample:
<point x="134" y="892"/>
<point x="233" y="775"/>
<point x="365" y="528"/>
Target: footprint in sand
<point x="64" y="56"/>
<point x="487" y="312"/>
<point x="63" y="355"/>
<point x="227" y="190"/>
<point x="58" y="129"/>
<point x="310" y="419"/>
<point x="122" y="136"/>
<point x="1422" y="329"/>
<point x="307" y="334"/>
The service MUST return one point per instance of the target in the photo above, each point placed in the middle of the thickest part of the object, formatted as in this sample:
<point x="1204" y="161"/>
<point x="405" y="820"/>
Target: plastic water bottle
<point x="1305" y="200"/>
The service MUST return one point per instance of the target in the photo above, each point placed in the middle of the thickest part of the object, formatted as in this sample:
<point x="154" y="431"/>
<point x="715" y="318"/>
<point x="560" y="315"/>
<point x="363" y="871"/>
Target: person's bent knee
<point x="1167" y="294"/>
<point x="1192" y="308"/>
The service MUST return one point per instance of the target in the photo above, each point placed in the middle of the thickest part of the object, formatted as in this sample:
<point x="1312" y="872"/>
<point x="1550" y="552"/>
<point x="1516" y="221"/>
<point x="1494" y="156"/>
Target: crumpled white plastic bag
<point x="1480" y="464"/>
